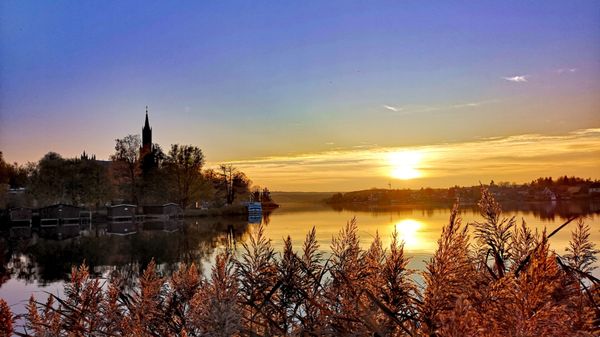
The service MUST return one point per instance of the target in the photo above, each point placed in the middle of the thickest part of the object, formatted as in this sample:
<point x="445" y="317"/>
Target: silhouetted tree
<point x="266" y="195"/>
<point x="154" y="182"/>
<point x="233" y="182"/>
<point x="184" y="166"/>
<point x="94" y="183"/>
<point x="4" y="170"/>
<point x="77" y="181"/>
<point x="49" y="179"/>
<point x="14" y="175"/>
<point x="126" y="162"/>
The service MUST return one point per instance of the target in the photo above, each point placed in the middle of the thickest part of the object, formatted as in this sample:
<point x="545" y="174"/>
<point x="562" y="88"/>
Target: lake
<point x="40" y="263"/>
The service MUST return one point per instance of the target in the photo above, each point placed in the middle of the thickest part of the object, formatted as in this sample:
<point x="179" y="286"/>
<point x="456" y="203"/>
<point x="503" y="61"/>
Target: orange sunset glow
<point x="300" y="168"/>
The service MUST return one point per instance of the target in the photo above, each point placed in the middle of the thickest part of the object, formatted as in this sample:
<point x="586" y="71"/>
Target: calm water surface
<point x="39" y="264"/>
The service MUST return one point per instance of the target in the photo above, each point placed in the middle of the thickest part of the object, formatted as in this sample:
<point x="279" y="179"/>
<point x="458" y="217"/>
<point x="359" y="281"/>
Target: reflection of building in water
<point x="171" y="225"/>
<point x="59" y="221"/>
<point x="61" y="232"/>
<point x="122" y="219"/>
<point x="122" y="228"/>
<point x="170" y="211"/>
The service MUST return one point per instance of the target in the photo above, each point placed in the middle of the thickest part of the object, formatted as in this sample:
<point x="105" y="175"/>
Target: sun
<point x="405" y="164"/>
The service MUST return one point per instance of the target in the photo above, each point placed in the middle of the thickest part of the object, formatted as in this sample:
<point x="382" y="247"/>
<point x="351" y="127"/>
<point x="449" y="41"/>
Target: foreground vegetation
<point x="502" y="281"/>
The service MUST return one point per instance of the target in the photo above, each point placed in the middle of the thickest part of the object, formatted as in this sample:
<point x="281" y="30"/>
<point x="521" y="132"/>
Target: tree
<point x="48" y="179"/>
<point x="154" y="181"/>
<point x="14" y="175"/>
<point x="233" y="182"/>
<point x="77" y="181"/>
<point x="94" y="184"/>
<point x="126" y="160"/>
<point x="184" y="166"/>
<point x="266" y="195"/>
<point x="4" y="170"/>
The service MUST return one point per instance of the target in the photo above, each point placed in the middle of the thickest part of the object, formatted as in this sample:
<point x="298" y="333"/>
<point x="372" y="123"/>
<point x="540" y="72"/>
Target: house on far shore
<point x="20" y="222"/>
<point x="20" y="216"/>
<point x="59" y="214"/>
<point x="547" y="194"/>
<point x="121" y="213"/>
<point x="164" y="212"/>
<point x="594" y="189"/>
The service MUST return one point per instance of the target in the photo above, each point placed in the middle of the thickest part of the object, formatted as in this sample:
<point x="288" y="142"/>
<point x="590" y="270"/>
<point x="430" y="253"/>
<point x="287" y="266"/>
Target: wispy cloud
<point x="412" y="109"/>
<point x="566" y="70"/>
<point x="469" y="104"/>
<point x="514" y="158"/>
<point x="392" y="108"/>
<point x="517" y="78"/>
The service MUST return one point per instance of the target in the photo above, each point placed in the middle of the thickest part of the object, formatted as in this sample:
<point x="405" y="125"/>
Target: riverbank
<point x="232" y="210"/>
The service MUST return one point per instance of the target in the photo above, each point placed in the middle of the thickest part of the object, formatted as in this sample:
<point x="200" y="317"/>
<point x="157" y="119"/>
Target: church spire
<point x="147" y="132"/>
<point x="149" y="160"/>
<point x="147" y="124"/>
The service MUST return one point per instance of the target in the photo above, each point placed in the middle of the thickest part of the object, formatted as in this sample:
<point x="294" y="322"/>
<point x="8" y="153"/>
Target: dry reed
<point x="505" y="282"/>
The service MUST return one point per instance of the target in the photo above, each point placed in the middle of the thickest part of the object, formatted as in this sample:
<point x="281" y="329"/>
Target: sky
<point x="312" y="95"/>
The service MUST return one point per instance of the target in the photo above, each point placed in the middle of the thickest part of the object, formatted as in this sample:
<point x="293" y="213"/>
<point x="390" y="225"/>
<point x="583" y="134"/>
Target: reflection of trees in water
<point x="47" y="259"/>
<point x="542" y="210"/>
<point x="266" y="217"/>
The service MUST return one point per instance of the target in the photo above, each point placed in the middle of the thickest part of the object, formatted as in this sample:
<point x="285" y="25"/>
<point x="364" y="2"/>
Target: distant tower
<point x="147" y="133"/>
<point x="147" y="152"/>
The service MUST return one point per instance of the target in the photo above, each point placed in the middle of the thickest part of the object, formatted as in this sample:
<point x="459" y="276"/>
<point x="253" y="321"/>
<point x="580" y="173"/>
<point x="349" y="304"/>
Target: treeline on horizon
<point x="175" y="176"/>
<point x="540" y="189"/>
<point x="493" y="278"/>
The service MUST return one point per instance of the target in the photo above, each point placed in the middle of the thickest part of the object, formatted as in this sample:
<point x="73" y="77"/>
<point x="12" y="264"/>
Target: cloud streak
<point x="566" y="70"/>
<point x="517" y="158"/>
<point x="392" y="108"/>
<point x="517" y="78"/>
<point x="412" y="109"/>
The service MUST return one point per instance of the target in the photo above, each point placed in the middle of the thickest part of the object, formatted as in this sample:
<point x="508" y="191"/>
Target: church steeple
<point x="147" y="152"/>
<point x="147" y="132"/>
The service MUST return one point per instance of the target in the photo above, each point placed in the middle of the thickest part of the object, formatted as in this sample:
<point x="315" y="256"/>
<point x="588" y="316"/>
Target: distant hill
<point x="541" y="189"/>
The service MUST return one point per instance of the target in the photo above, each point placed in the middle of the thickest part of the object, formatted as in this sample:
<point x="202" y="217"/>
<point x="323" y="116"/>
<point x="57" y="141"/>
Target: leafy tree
<point x="154" y="181"/>
<point x="14" y="175"/>
<point x="4" y="170"/>
<point x="95" y="187"/>
<point x="232" y="182"/>
<point x="48" y="180"/>
<point x="126" y="162"/>
<point x="266" y="195"/>
<point x="184" y="167"/>
<point x="55" y="179"/>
